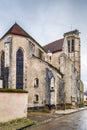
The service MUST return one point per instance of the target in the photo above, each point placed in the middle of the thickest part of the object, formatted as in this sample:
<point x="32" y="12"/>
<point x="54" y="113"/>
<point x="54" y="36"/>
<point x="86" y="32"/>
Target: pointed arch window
<point x="2" y="63"/>
<point x="19" y="69"/>
<point x="2" y="67"/>
<point x="69" y="50"/>
<point x="73" y="46"/>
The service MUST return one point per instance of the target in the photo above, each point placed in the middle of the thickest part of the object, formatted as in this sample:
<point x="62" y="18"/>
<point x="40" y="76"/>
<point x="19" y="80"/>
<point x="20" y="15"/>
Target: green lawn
<point x="15" y="124"/>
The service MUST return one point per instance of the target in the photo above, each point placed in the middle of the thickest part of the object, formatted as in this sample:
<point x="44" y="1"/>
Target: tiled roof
<point x="54" y="46"/>
<point x="17" y="30"/>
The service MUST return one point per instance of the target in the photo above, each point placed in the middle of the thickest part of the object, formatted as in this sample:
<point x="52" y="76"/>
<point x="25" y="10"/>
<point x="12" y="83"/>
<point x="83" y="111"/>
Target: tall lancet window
<point x="69" y="50"/>
<point x="19" y="69"/>
<point x="73" y="46"/>
<point x="2" y="63"/>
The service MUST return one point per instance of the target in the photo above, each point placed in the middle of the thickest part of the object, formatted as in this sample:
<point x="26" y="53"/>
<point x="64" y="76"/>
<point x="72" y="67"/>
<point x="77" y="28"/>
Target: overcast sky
<point x="47" y="21"/>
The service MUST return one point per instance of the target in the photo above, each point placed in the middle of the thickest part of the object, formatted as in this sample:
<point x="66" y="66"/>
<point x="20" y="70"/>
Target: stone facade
<point x="51" y="78"/>
<point x="68" y="61"/>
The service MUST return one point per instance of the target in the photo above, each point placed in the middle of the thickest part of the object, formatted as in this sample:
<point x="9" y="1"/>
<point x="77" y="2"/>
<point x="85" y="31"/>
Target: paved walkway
<point x="42" y="117"/>
<point x="46" y="117"/>
<point x="76" y="121"/>
<point x="69" y="111"/>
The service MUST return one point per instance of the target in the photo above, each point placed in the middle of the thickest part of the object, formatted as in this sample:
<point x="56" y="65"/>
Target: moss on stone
<point x="13" y="90"/>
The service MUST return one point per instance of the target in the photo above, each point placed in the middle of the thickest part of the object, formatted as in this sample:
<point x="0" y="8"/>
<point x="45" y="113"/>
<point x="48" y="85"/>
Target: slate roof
<point x="54" y="46"/>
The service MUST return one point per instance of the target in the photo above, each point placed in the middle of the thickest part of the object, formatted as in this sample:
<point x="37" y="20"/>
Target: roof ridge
<point x="16" y="29"/>
<point x="53" y="42"/>
<point x="54" y="46"/>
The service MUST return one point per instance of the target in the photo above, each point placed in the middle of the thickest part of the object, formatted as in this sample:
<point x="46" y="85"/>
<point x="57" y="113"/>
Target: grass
<point x="13" y="90"/>
<point x="15" y="124"/>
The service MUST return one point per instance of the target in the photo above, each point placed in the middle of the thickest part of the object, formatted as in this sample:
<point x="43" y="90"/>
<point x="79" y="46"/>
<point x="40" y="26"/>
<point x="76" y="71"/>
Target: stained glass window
<point x="2" y="66"/>
<point x="19" y="69"/>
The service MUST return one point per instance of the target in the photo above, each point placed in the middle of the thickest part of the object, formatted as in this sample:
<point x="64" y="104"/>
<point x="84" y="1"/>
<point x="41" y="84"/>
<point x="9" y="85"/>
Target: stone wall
<point x="37" y="69"/>
<point x="12" y="105"/>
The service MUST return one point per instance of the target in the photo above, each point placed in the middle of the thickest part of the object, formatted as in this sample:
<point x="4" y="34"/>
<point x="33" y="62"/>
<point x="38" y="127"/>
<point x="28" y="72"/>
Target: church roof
<point x="17" y="30"/>
<point x="54" y="46"/>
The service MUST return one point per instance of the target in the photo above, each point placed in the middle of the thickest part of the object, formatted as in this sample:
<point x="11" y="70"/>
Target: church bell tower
<point x="73" y="44"/>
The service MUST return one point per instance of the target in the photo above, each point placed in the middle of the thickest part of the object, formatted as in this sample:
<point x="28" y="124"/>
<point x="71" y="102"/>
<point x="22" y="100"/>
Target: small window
<point x="8" y="40"/>
<point x="73" y="46"/>
<point x="36" y="98"/>
<point x="36" y="82"/>
<point x="68" y="45"/>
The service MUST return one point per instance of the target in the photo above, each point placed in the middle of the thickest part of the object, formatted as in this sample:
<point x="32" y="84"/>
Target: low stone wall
<point x="13" y="105"/>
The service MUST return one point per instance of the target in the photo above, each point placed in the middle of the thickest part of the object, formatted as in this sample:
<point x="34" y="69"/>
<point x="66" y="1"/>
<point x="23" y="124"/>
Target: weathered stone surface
<point x="64" y="66"/>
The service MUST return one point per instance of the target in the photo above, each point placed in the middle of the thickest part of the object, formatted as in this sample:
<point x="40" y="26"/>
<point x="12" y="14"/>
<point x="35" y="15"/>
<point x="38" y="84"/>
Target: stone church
<point x="51" y="74"/>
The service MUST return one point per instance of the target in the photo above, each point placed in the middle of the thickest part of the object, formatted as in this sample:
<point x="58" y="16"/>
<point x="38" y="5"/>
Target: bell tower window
<point x="73" y="45"/>
<point x="68" y="45"/>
